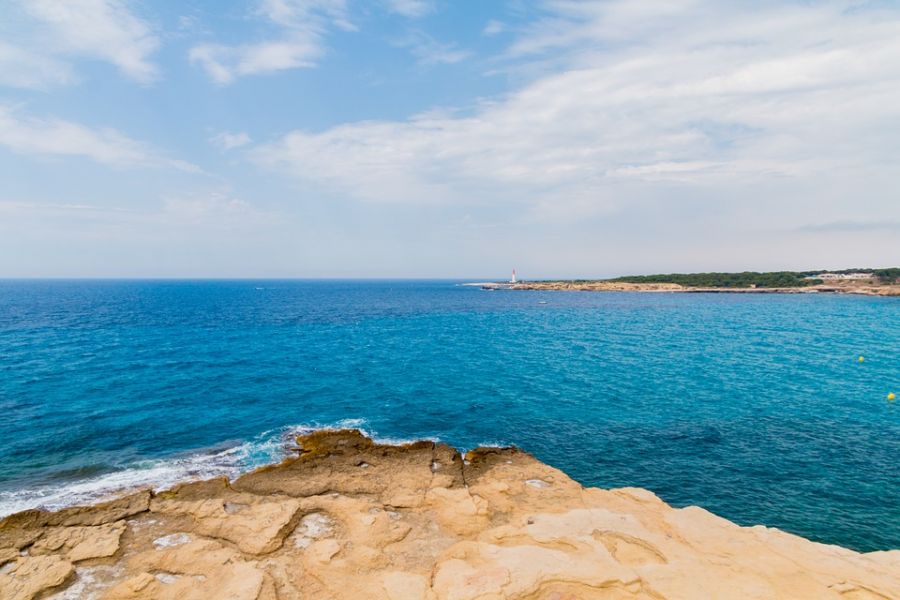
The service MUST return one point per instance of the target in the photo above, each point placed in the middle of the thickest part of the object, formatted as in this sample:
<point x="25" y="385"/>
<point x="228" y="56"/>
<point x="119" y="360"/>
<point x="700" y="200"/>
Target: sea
<point x="756" y="407"/>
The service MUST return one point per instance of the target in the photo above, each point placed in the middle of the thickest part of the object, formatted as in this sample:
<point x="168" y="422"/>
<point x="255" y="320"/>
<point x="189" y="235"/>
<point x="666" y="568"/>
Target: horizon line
<point x="394" y="278"/>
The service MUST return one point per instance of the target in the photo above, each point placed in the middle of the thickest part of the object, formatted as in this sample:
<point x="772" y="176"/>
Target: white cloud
<point x="412" y="9"/>
<point x="301" y="27"/>
<point x="651" y="98"/>
<point x="429" y="52"/>
<point x="100" y="29"/>
<point x="307" y="14"/>
<point x="228" y="141"/>
<point x="121" y="236"/>
<point x="56" y="137"/>
<point x="25" y="69"/>
<point x="208" y="208"/>
<point x="217" y="208"/>
<point x="225" y="63"/>
<point x="493" y="27"/>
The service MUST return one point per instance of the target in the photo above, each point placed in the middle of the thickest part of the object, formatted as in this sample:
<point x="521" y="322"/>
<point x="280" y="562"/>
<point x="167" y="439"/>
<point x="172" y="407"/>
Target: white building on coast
<point x="841" y="276"/>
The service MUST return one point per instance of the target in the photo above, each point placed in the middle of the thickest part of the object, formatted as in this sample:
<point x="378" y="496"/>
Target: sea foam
<point x="267" y="448"/>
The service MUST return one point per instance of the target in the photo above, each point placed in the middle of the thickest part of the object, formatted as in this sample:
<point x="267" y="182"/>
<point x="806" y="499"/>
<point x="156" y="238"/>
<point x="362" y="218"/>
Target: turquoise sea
<point x="752" y="406"/>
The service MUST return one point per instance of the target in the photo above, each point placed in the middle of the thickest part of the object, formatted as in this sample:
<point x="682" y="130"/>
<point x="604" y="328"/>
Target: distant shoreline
<point x="617" y="286"/>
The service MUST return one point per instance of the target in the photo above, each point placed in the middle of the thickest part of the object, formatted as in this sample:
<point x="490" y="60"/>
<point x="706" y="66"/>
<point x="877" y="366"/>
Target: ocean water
<point x="752" y="406"/>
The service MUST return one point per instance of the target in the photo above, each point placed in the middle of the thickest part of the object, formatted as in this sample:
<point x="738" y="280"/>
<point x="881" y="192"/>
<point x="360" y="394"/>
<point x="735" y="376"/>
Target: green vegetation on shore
<point x="728" y="280"/>
<point x="891" y="275"/>
<point x="746" y="279"/>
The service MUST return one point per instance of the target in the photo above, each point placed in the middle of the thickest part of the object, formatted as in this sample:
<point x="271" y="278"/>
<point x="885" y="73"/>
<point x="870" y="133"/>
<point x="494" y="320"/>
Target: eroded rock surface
<point x="351" y="519"/>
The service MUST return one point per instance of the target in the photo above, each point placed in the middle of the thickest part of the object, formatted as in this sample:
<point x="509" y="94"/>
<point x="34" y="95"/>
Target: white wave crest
<point x="267" y="448"/>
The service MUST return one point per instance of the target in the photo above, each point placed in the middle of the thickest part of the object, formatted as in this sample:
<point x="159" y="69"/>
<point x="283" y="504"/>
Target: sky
<point x="447" y="138"/>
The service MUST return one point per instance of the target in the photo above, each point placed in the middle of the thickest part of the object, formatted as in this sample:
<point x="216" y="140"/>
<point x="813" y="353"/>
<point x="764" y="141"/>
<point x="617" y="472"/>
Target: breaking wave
<point x="267" y="448"/>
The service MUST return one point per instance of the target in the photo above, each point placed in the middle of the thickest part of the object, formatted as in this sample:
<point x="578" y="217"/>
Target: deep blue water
<point x="752" y="406"/>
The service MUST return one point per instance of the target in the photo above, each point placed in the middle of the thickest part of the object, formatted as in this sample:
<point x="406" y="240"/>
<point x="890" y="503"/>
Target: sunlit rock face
<point x="352" y="519"/>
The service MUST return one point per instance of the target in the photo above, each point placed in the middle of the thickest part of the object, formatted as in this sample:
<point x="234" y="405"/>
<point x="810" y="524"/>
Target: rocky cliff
<point x="353" y="519"/>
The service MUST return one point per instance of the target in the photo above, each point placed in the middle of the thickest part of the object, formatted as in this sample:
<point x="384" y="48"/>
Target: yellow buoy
<point x="861" y="358"/>
<point x="891" y="396"/>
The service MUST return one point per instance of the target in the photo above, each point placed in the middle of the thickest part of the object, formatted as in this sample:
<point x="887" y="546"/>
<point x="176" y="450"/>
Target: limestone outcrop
<point x="352" y="519"/>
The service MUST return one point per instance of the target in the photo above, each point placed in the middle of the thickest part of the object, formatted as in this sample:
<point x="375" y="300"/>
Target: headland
<point x="349" y="518"/>
<point x="867" y="282"/>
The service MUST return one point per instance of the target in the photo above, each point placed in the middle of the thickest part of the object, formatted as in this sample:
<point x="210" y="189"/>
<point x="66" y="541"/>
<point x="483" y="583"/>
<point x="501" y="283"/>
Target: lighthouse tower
<point x="513" y="278"/>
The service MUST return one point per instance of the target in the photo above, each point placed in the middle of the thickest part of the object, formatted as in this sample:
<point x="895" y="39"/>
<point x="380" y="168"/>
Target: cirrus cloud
<point x="412" y="9"/>
<point x="301" y="26"/>
<point x="227" y="140"/>
<point x="23" y="68"/>
<point x="104" y="30"/>
<point x="57" y="137"/>
<point x="645" y="97"/>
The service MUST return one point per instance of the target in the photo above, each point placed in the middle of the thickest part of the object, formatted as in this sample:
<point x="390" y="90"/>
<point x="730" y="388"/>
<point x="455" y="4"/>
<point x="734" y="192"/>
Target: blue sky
<point x="429" y="138"/>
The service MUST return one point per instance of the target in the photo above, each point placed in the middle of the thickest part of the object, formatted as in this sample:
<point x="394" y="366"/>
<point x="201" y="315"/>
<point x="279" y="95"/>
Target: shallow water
<point x="752" y="406"/>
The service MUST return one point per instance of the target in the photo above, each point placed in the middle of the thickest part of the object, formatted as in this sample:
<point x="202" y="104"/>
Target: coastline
<point x="612" y="286"/>
<point x="351" y="518"/>
<point x="229" y="460"/>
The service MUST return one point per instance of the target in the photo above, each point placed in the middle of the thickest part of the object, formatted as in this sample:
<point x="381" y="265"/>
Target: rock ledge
<point x="353" y="519"/>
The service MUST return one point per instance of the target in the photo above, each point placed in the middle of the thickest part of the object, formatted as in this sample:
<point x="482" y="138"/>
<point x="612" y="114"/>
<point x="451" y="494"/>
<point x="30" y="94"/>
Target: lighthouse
<point x="513" y="278"/>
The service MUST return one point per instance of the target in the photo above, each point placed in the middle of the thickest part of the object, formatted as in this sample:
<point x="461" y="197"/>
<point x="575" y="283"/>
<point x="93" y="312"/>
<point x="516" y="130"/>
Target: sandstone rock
<point x="90" y="582"/>
<point x="29" y="576"/>
<point x="352" y="519"/>
<point x="256" y="525"/>
<point x="259" y="529"/>
<point x="80" y="543"/>
<point x="105" y="512"/>
<point x="346" y="462"/>
<point x="194" y="571"/>
<point x="322" y="551"/>
<point x="7" y="554"/>
<point x="405" y="586"/>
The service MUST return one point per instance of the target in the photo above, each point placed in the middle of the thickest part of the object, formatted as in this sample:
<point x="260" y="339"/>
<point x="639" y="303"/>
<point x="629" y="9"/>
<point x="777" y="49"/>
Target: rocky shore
<point x="617" y="286"/>
<point x="352" y="519"/>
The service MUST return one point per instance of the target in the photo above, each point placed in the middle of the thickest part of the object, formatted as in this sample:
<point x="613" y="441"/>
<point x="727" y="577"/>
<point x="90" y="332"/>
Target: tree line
<point x="753" y="278"/>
